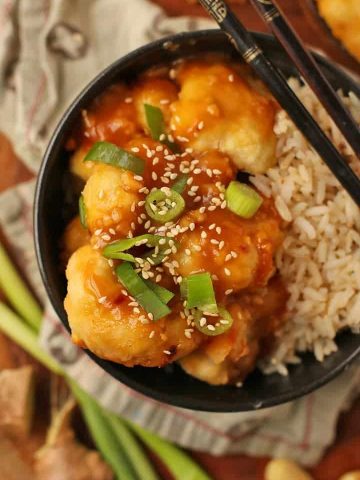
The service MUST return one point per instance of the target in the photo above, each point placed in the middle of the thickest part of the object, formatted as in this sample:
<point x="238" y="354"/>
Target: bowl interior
<point x="56" y="202"/>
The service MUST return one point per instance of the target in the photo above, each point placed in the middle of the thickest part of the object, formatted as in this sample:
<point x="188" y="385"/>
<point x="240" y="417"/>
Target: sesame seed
<point x="128" y="100"/>
<point x="152" y="333"/>
<point x="133" y="207"/>
<point x="102" y="300"/>
<point x="135" y="149"/>
<point x="98" y="231"/>
<point x="101" y="194"/>
<point x="106" y="237"/>
<point x="200" y="125"/>
<point x="167" y="352"/>
<point x="190" y="180"/>
<point x="187" y="334"/>
<point x="154" y="176"/>
<point x="203" y="234"/>
<point x="192" y="226"/>
<point x="214" y="277"/>
<point x="214" y="241"/>
<point x="111" y="262"/>
<point x="112" y="231"/>
<point x="224" y="322"/>
<point x="165" y="180"/>
<point x="202" y="209"/>
<point x="197" y="171"/>
<point x="197" y="248"/>
<point x="209" y="172"/>
<point x="187" y="251"/>
<point x="228" y="257"/>
<point x="151" y="316"/>
<point x="221" y="244"/>
<point x="147" y="225"/>
<point x="229" y="291"/>
<point x="233" y="254"/>
<point x="138" y="177"/>
<point x="227" y="271"/>
<point x="136" y="310"/>
<point x="164" y="101"/>
<point x="216" y="171"/>
<point x="212" y="226"/>
<point x="212" y="208"/>
<point x="144" y="190"/>
<point x="223" y="205"/>
<point x="211" y="328"/>
<point x="159" y="148"/>
<point x="158" y="278"/>
<point x="197" y="199"/>
<point x="231" y="77"/>
<point x="202" y="322"/>
<point x="162" y="137"/>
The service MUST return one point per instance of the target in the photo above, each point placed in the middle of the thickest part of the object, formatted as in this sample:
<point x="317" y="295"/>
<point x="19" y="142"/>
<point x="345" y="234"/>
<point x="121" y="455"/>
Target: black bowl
<point x="55" y="202"/>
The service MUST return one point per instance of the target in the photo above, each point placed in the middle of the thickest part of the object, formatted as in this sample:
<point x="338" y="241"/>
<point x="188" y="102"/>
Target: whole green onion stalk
<point x="111" y="434"/>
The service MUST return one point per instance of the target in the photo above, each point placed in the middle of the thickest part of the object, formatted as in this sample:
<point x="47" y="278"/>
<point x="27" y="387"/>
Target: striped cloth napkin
<point x="49" y="49"/>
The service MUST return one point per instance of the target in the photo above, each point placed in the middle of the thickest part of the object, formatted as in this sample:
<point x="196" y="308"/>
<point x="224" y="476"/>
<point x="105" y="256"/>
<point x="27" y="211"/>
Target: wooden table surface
<point x="344" y="455"/>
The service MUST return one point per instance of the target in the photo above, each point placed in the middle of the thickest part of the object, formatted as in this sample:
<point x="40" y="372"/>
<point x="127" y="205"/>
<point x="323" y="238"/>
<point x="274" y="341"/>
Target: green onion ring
<point x="220" y="326"/>
<point x="242" y="199"/>
<point x="164" y="207"/>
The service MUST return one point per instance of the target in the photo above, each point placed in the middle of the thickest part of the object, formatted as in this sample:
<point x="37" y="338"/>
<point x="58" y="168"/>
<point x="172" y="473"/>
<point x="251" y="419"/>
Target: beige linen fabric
<point x="49" y="50"/>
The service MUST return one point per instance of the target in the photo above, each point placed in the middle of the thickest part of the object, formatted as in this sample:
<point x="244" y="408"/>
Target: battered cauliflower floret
<point x="158" y="92"/>
<point x="108" y="196"/>
<point x="80" y="168"/>
<point x="229" y="357"/>
<point x="75" y="236"/>
<point x="243" y="259"/>
<point x="112" y="117"/>
<point x="102" y="320"/>
<point x="217" y="109"/>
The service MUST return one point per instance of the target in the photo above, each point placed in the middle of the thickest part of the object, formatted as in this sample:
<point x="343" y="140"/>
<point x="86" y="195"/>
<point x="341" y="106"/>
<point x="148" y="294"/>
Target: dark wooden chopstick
<point x="279" y="88"/>
<point x="305" y="63"/>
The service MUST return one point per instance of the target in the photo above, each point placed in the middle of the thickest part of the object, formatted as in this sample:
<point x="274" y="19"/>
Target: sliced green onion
<point x="116" y="249"/>
<point x="199" y="292"/>
<point x="164" y="207"/>
<point x="242" y="199"/>
<point x="163" y="293"/>
<point x="82" y="211"/>
<point x="180" y="184"/>
<point x="105" y="152"/>
<point x="222" y="325"/>
<point x="156" y="123"/>
<point x="136" y="286"/>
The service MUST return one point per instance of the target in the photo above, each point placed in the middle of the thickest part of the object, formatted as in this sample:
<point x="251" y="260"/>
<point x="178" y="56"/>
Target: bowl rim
<point x="73" y="110"/>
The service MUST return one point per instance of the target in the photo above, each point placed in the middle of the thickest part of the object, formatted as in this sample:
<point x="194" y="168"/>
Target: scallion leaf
<point x="163" y="293"/>
<point x="82" y="211"/>
<point x="180" y="184"/>
<point x="136" y="286"/>
<point x="105" y="152"/>
<point x="200" y="292"/>
<point x="116" y="249"/>
<point x="156" y="123"/>
<point x="242" y="199"/>
<point x="164" y="207"/>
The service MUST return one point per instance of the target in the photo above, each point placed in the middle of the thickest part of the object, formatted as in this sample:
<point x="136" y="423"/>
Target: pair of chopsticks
<point x="278" y="86"/>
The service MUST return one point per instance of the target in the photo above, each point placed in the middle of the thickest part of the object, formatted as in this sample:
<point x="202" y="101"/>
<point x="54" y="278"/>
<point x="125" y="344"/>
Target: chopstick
<point x="277" y="85"/>
<point x="305" y="63"/>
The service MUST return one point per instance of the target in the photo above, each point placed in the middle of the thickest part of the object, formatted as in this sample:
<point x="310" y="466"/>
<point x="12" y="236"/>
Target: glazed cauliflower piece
<point x="75" y="236"/>
<point x="217" y="109"/>
<point x="102" y="320"/>
<point x="157" y="92"/>
<point x="78" y="167"/>
<point x="108" y="196"/>
<point x="230" y="357"/>
<point x="238" y="253"/>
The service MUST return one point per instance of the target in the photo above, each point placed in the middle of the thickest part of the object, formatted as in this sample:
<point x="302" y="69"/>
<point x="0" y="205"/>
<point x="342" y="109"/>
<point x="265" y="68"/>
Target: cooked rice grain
<point x="319" y="259"/>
